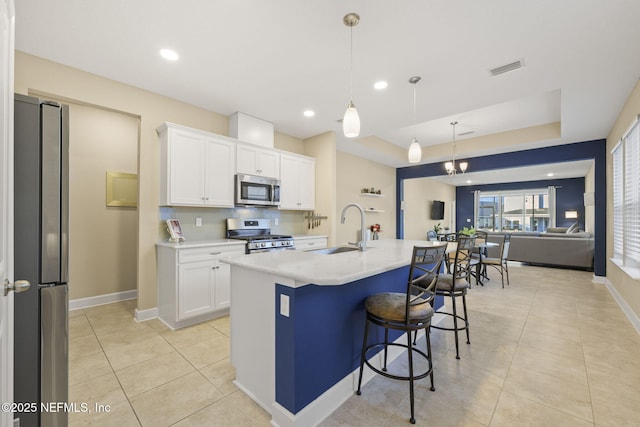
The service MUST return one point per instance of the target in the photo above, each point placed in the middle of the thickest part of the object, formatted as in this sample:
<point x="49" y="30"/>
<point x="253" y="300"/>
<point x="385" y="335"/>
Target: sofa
<point x="555" y="246"/>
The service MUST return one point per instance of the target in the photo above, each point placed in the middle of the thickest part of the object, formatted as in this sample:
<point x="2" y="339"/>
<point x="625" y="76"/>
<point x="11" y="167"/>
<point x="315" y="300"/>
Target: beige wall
<point x="323" y="148"/>
<point x="353" y="174"/>
<point x="419" y="193"/>
<point x="627" y="287"/>
<point x="103" y="240"/>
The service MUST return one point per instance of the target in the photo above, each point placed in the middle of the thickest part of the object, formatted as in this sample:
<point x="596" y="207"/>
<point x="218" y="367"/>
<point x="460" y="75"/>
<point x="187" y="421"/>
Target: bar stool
<point x="407" y="312"/>
<point x="455" y="284"/>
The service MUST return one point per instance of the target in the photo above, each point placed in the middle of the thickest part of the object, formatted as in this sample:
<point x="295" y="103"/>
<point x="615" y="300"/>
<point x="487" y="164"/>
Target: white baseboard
<point x="599" y="280"/>
<point x="144" y="315"/>
<point x="626" y="308"/>
<point x="81" y="303"/>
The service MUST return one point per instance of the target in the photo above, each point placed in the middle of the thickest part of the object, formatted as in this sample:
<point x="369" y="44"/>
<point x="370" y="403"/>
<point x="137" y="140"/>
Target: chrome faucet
<point x="362" y="244"/>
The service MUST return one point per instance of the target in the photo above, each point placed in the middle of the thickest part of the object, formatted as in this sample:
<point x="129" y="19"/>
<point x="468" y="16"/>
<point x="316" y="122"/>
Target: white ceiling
<point x="274" y="59"/>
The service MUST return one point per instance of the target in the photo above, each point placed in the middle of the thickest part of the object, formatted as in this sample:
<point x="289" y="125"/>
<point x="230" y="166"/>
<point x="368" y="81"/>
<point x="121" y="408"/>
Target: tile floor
<point x="552" y="349"/>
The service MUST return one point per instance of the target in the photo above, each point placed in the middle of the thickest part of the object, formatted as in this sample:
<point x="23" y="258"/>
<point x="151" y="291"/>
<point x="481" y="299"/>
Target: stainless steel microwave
<point x="257" y="190"/>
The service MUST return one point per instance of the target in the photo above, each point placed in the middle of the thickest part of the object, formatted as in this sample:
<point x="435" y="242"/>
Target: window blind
<point x="618" y="201"/>
<point x="631" y="239"/>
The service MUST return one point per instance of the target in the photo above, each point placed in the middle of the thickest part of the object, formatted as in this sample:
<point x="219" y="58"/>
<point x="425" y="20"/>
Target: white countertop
<point x="335" y="269"/>
<point x="201" y="243"/>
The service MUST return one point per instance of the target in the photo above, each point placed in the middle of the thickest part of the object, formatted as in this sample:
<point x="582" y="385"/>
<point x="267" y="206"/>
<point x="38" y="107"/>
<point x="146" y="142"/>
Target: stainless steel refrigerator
<point x="41" y="179"/>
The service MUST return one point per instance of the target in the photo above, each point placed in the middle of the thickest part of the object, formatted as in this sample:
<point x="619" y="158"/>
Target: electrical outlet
<point x="284" y="305"/>
<point x="198" y="222"/>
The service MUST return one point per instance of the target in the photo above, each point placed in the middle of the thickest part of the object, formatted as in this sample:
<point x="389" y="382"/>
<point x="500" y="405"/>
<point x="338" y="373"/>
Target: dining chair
<point x="500" y="262"/>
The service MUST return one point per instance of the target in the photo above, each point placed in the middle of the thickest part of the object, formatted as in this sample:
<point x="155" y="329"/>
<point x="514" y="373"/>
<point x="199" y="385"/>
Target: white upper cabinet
<point x="254" y="160"/>
<point x="196" y="168"/>
<point x="297" y="182"/>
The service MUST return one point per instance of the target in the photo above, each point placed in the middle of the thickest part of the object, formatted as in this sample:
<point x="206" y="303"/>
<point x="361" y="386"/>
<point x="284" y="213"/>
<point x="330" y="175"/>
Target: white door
<point x="6" y="206"/>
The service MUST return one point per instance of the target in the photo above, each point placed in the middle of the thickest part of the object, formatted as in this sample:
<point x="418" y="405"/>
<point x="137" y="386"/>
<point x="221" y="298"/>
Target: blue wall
<point x="569" y="196"/>
<point x="589" y="150"/>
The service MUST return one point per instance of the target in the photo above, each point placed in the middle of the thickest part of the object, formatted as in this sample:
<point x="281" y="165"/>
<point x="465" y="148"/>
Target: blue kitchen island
<point x="297" y="320"/>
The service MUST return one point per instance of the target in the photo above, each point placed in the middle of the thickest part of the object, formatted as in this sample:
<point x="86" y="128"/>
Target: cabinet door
<point x="258" y="161"/>
<point x="307" y="184"/>
<point x="247" y="160"/>
<point x="219" y="171"/>
<point x="186" y="184"/>
<point x="297" y="183"/>
<point x="268" y="163"/>
<point x="196" y="289"/>
<point x="223" y="286"/>
<point x="289" y="187"/>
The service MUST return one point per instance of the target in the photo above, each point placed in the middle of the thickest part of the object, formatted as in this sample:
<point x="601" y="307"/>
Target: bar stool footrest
<point x="399" y="377"/>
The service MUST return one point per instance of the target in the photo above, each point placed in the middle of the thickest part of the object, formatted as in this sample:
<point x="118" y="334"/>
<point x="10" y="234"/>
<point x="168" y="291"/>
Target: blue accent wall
<point x="589" y="150"/>
<point x="321" y="340"/>
<point x="569" y="196"/>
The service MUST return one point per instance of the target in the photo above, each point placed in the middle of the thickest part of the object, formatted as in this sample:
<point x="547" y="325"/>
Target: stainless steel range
<point x="257" y="234"/>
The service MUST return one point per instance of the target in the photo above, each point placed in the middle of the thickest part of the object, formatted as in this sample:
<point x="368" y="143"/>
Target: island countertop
<point x="335" y="269"/>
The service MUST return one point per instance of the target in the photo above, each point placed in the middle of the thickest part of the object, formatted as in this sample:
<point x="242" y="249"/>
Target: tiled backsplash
<point x="214" y="224"/>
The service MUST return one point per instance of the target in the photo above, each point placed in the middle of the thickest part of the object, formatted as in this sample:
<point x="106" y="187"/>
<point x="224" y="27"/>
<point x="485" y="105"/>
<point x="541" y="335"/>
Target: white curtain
<point x="476" y="207"/>
<point x="552" y="206"/>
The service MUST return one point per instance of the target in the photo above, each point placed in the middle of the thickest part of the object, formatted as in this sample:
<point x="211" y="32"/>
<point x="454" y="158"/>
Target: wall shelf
<point x="372" y="195"/>
<point x="374" y="210"/>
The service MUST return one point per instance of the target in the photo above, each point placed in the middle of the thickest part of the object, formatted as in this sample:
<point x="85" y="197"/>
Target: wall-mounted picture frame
<point x="175" y="231"/>
<point x="122" y="189"/>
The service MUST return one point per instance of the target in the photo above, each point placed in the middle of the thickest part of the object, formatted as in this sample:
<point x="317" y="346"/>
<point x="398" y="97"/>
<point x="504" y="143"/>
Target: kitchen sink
<point x="336" y="250"/>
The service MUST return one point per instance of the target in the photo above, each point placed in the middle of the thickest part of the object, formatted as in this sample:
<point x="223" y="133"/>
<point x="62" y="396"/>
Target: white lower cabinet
<point x="193" y="285"/>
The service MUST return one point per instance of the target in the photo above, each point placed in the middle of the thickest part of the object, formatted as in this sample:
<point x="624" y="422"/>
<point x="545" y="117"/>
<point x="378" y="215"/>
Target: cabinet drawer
<point x="208" y="253"/>
<point x="307" y="244"/>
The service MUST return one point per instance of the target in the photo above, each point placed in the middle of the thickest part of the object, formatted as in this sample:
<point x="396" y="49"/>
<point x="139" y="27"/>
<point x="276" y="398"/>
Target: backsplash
<point x="214" y="224"/>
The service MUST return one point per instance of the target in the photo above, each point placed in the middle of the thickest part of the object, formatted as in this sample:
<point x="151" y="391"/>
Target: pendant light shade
<point x="415" y="151"/>
<point x="351" y="119"/>
<point x="351" y="122"/>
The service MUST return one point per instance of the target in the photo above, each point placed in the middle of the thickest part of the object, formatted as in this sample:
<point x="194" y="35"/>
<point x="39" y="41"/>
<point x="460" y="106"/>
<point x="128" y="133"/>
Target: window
<point x="626" y="199"/>
<point x="513" y="211"/>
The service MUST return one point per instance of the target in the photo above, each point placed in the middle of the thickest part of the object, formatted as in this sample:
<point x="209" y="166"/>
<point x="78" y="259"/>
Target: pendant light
<point x="351" y="120"/>
<point x="415" y="152"/>
<point x="451" y="166"/>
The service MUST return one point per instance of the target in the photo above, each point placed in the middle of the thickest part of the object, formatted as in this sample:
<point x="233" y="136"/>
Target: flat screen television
<point x="437" y="209"/>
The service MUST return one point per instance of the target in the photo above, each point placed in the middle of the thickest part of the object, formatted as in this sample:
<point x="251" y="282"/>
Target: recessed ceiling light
<point x="309" y="113"/>
<point x="550" y="174"/>
<point x="381" y="85"/>
<point x="169" y="54"/>
<point x="469" y="181"/>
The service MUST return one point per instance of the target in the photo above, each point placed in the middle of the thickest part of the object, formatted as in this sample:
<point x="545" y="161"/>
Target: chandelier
<point x="451" y="166"/>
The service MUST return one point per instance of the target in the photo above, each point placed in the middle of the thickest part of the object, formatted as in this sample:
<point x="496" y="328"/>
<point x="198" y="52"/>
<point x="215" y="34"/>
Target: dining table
<point x="482" y="247"/>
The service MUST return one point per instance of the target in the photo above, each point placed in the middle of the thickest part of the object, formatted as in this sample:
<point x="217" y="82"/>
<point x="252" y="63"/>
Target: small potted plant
<point x="468" y="231"/>
<point x="437" y="228"/>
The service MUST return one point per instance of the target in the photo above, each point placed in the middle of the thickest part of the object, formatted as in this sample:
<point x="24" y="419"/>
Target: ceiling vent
<point x="507" y="67"/>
